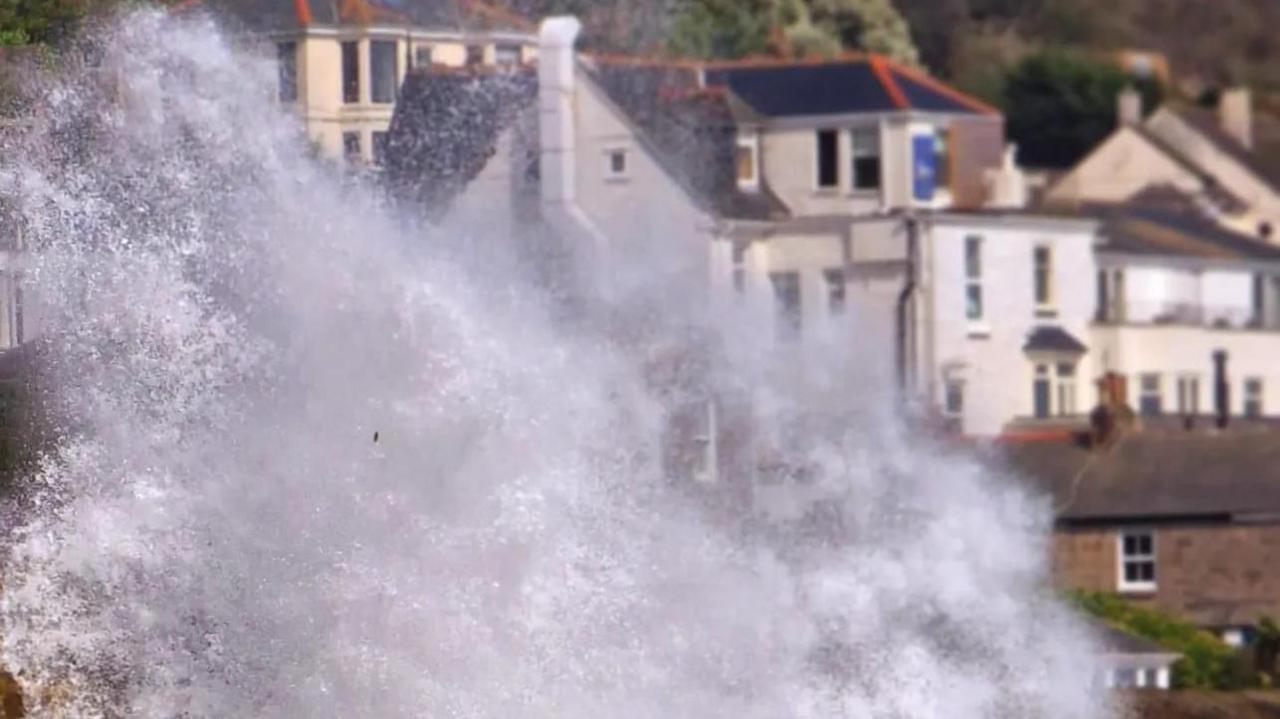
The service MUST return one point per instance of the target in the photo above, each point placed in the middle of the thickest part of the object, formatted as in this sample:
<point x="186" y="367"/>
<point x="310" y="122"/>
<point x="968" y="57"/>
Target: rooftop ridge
<point x="880" y="68"/>
<point x="940" y="87"/>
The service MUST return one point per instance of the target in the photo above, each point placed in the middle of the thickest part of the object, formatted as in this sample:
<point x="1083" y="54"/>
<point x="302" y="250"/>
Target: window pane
<point x="351" y="145"/>
<point x="746" y="161"/>
<point x="507" y="55"/>
<point x="828" y="150"/>
<point x="422" y="56"/>
<point x="1131" y="572"/>
<point x="973" y="302"/>
<point x="1144" y="545"/>
<point x="1066" y="369"/>
<point x="379" y="147"/>
<point x="1130" y="545"/>
<point x="382" y="62"/>
<point x="973" y="257"/>
<point x="350" y="72"/>
<point x="475" y="55"/>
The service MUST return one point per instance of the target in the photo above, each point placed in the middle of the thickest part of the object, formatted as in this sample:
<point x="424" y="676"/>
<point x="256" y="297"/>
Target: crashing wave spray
<point x="216" y="533"/>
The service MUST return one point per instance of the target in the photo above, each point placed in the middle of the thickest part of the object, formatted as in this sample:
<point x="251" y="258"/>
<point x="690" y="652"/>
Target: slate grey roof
<point x="1205" y="121"/>
<point x="446" y="129"/>
<point x="1048" y="338"/>
<point x="852" y="85"/>
<point x="1118" y="641"/>
<point x="1166" y="229"/>
<point x="1161" y="472"/>
<point x="290" y="15"/>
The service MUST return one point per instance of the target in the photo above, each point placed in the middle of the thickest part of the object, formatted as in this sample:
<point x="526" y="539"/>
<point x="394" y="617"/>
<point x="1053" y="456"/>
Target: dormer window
<point x="865" y="142"/>
<point x="747" y="161"/>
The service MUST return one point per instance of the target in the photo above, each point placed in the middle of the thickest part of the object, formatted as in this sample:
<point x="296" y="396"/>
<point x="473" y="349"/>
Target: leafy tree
<point x="1206" y="662"/>
<point x="733" y="28"/>
<point x="722" y="28"/>
<point x="40" y="21"/>
<point x="1059" y="105"/>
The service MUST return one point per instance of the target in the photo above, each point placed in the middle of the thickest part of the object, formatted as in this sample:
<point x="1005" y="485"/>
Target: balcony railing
<point x="1187" y="314"/>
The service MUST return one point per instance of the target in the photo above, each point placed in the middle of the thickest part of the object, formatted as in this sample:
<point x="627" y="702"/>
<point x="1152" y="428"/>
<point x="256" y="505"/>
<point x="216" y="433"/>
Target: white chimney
<point x="1235" y="113"/>
<point x="1008" y="183"/>
<point x="1129" y="107"/>
<point x="557" y="129"/>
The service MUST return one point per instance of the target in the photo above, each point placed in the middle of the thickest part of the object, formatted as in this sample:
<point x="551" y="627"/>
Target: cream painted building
<point x="342" y="62"/>
<point x="1208" y="155"/>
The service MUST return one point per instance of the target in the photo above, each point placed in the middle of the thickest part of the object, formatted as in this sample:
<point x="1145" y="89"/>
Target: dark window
<point x="1253" y="397"/>
<point x="739" y="267"/>
<point x="835" y="291"/>
<point x="1150" y="402"/>
<point x="942" y="157"/>
<point x="507" y="55"/>
<point x="422" y="56"/>
<point x="351" y="145"/>
<point x="866" y="158"/>
<point x="1042" y="275"/>
<point x="1102" y="313"/>
<point x="382" y="67"/>
<point x="953" y="400"/>
<point x="379" y="140"/>
<point x="1138" y="561"/>
<point x="828" y="158"/>
<point x="973" y="278"/>
<point x="287" y="70"/>
<point x="475" y="55"/>
<point x="617" y="163"/>
<point x="786" y="293"/>
<point x="350" y="72"/>
<point x="1041" y="392"/>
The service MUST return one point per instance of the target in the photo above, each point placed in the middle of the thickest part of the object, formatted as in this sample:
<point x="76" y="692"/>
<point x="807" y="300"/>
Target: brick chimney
<point x="1128" y="107"/>
<point x="1235" y="114"/>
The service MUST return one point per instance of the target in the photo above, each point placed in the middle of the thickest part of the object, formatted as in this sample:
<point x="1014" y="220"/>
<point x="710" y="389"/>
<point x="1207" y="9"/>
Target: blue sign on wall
<point x="924" y="167"/>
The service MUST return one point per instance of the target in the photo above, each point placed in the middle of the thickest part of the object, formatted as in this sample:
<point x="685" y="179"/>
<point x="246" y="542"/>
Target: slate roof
<point x="1048" y="338"/>
<point x="1166" y="229"/>
<point x="855" y="84"/>
<point x="290" y="15"/>
<point x="446" y="128"/>
<point x="1157" y="473"/>
<point x="1205" y="121"/>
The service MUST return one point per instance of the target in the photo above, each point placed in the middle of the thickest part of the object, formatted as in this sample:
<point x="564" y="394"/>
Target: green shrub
<point x="1206" y="662"/>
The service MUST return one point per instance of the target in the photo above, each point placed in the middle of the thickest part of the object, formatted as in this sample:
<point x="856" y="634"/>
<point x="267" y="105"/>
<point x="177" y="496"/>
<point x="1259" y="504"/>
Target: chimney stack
<point x="1221" y="390"/>
<point x="1129" y="107"/>
<point x="1235" y="114"/>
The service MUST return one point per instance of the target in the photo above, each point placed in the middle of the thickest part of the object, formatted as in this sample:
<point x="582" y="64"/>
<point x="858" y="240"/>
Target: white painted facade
<point x="1164" y="319"/>
<point x="981" y="353"/>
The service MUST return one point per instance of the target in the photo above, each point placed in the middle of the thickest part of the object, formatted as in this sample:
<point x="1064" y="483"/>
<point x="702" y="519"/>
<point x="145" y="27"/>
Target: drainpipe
<point x="904" y="304"/>
<point x="1221" y="390"/>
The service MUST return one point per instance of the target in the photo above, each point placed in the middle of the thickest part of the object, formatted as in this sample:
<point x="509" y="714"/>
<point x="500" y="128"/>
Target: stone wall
<point x="1216" y="575"/>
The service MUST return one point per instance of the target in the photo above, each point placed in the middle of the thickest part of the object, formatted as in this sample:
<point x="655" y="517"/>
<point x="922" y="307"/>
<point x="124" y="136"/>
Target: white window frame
<point x="750" y="143"/>
<point x="1123" y="585"/>
<point x="1049" y="304"/>
<point x="1247" y="395"/>
<point x="855" y="154"/>
<point x="947" y="386"/>
<point x="974" y="280"/>
<point x="612" y="175"/>
<point x="1064" y="389"/>
<point x="1189" y="395"/>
